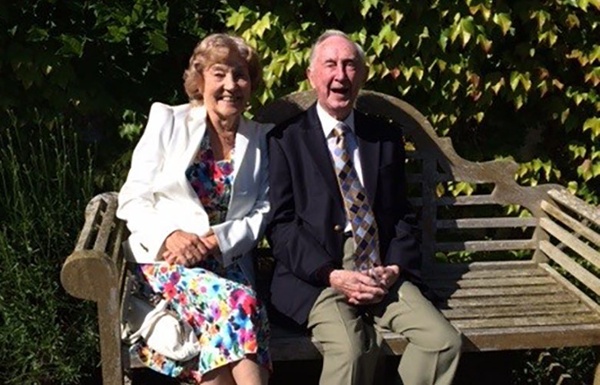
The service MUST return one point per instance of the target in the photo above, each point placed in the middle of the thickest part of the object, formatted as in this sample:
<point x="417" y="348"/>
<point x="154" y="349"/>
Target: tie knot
<point x="340" y="129"/>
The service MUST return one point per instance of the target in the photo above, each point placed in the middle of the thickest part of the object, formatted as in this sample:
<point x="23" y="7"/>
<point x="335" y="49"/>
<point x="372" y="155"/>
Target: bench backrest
<point x="466" y="210"/>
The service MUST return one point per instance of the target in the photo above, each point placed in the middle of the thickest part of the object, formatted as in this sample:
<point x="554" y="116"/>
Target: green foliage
<point x="92" y="61"/>
<point x="502" y="79"/>
<point x="578" y="362"/>
<point x="46" y="336"/>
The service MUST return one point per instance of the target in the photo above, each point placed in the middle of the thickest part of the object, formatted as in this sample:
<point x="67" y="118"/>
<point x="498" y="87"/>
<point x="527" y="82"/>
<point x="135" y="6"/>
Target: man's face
<point x="337" y="74"/>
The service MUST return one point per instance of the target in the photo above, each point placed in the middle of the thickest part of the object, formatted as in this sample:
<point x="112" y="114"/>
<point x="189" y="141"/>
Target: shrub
<point x="46" y="337"/>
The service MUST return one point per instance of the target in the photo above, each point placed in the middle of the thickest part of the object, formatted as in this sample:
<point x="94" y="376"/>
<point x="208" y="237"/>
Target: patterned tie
<point x="356" y="203"/>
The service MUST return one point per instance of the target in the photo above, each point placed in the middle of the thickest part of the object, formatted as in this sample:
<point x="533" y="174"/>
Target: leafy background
<point x="503" y="79"/>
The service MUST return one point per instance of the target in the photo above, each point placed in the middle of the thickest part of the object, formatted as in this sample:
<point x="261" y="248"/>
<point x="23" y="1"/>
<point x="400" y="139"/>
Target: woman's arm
<point x="136" y="198"/>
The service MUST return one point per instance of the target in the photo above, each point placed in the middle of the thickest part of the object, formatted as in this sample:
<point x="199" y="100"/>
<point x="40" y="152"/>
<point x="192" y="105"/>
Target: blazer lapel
<point x="240" y="164"/>
<point x="241" y="145"/>
<point x="195" y="127"/>
<point x="316" y="146"/>
<point x="369" y="151"/>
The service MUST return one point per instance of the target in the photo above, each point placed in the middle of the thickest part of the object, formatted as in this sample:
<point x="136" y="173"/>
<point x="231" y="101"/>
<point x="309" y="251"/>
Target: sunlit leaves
<point x="503" y="21"/>
<point x="367" y="5"/>
<point x="529" y="172"/>
<point x="593" y="76"/>
<point x="393" y="15"/>
<point x="475" y="68"/>
<point x="593" y="125"/>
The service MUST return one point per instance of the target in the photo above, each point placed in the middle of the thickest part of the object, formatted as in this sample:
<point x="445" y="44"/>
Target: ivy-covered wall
<point x="502" y="78"/>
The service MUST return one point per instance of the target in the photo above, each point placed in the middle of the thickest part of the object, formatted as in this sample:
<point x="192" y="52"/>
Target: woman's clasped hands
<point x="189" y="249"/>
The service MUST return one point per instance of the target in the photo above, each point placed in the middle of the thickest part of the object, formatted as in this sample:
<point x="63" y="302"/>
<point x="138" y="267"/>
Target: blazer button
<point x="337" y="228"/>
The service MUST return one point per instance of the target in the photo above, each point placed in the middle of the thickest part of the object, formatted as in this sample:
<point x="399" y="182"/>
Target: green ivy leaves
<point x="473" y="67"/>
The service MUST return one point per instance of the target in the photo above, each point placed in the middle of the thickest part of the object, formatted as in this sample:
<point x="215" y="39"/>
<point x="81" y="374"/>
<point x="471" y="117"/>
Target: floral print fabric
<point x="211" y="180"/>
<point x="217" y="302"/>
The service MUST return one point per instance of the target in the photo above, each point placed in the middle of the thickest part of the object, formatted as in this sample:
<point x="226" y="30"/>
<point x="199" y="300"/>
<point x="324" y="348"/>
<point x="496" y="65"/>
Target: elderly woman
<point x="195" y="201"/>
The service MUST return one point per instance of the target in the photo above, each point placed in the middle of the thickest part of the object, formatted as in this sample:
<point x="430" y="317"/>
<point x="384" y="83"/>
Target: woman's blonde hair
<point x="214" y="49"/>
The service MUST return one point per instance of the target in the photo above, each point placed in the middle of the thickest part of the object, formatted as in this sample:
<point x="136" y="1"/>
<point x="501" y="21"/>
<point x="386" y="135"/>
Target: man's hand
<point x="385" y="276"/>
<point x="188" y="249"/>
<point x="359" y="289"/>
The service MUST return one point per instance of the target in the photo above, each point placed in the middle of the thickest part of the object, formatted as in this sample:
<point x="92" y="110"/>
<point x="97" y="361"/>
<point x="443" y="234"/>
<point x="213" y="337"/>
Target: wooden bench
<point x="515" y="267"/>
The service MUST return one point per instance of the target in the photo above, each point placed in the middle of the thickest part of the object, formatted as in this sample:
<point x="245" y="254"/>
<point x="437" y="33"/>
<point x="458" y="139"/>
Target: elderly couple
<point x="327" y="187"/>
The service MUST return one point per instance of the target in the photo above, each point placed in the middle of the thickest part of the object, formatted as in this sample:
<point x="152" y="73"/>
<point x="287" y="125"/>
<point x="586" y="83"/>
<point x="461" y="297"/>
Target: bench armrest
<point x="90" y="275"/>
<point x="94" y="271"/>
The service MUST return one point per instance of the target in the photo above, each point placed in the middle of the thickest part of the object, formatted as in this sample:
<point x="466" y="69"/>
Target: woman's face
<point x="226" y="87"/>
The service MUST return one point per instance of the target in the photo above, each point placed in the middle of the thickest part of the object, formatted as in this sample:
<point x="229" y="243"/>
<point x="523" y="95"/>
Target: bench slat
<point x="587" y="278"/>
<point x="486" y="268"/>
<point x="528" y="244"/>
<point x="498" y="291"/>
<point x="570" y="319"/>
<point x="106" y="225"/>
<point x="573" y="223"/>
<point x="453" y="275"/>
<point x="571" y="287"/>
<point x="92" y="215"/>
<point x="467" y="200"/>
<point x="576" y="204"/>
<point x="568" y="239"/>
<point x="509" y="300"/>
<point x="496" y="282"/>
<point x="516" y="310"/>
<point x="486" y="223"/>
<point x="539" y="337"/>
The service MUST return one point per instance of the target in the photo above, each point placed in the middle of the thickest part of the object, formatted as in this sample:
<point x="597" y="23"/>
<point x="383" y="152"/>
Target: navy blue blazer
<point x="307" y="219"/>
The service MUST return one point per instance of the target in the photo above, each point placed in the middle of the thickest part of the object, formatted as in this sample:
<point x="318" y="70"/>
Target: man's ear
<point x="308" y="76"/>
<point x="365" y="74"/>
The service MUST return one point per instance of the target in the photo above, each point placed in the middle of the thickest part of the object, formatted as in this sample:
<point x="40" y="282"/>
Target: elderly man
<point x="346" y="258"/>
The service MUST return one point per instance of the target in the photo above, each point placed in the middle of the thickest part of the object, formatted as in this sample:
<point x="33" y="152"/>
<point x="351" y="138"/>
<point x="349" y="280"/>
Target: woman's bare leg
<point x="248" y="372"/>
<point x="219" y="376"/>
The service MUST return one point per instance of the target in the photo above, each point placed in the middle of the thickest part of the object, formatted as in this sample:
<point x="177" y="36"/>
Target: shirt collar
<point x="328" y="122"/>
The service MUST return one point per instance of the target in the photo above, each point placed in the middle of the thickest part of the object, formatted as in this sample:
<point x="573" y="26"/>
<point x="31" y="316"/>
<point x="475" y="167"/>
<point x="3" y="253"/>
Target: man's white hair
<point x="334" y="32"/>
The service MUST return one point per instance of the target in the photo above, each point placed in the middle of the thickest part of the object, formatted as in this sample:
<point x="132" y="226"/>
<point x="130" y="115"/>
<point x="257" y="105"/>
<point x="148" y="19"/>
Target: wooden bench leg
<point x="110" y="343"/>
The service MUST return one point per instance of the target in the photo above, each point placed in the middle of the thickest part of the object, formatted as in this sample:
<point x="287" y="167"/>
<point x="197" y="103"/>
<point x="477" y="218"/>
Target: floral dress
<point x="218" y="302"/>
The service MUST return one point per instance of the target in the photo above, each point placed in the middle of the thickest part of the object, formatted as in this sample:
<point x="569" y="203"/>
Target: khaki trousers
<point x="351" y="345"/>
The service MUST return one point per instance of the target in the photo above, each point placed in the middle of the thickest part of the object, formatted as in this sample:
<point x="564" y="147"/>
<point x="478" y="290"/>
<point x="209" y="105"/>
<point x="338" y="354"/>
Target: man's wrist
<point x="323" y="273"/>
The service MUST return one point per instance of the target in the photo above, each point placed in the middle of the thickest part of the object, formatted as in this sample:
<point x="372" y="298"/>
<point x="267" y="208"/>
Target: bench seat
<point x="497" y="306"/>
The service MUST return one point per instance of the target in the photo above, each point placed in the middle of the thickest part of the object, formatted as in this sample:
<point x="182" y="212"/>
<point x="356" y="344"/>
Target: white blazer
<point x="157" y="198"/>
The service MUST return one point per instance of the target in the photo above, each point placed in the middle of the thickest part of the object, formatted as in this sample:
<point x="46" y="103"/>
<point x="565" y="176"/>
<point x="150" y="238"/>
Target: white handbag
<point x="160" y="328"/>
